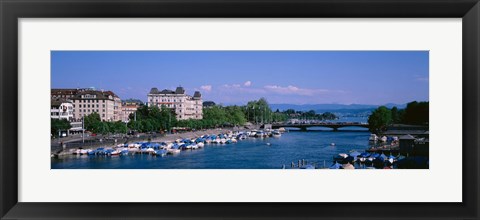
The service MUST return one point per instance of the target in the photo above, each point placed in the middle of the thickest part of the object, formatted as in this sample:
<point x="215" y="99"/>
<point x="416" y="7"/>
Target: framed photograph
<point x="256" y="110"/>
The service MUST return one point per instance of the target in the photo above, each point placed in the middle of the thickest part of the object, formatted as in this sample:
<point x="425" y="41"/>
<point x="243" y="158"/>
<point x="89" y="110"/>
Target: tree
<point x="259" y="111"/>
<point x="58" y="125"/>
<point x="92" y="121"/>
<point x="416" y="113"/>
<point x="379" y="119"/>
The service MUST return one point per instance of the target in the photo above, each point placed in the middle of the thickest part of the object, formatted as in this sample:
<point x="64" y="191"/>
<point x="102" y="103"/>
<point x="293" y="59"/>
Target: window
<point x="84" y="105"/>
<point x="83" y="110"/>
<point x="103" y="110"/>
<point x="103" y="115"/>
<point x="88" y="106"/>
<point x="97" y="105"/>
<point x="103" y="105"/>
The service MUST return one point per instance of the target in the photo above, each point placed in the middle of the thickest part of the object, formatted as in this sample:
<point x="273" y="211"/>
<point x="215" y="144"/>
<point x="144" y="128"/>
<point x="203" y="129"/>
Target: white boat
<point x="173" y="151"/>
<point x="116" y="152"/>
<point x="276" y="133"/>
<point x="384" y="139"/>
<point x="200" y="144"/>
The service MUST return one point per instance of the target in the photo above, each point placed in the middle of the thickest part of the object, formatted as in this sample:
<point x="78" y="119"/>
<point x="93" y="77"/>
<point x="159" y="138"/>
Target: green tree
<point x="395" y="115"/>
<point x="416" y="113"/>
<point x="92" y="121"/>
<point x="379" y="119"/>
<point x="58" y="125"/>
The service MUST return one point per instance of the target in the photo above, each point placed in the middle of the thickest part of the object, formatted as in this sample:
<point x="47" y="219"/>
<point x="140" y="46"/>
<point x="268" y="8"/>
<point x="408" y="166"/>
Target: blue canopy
<point x="354" y="154"/>
<point x="375" y="155"/>
<point x="335" y="166"/>
<point x="175" y="146"/>
<point x="365" y="154"/>
<point x="383" y="156"/>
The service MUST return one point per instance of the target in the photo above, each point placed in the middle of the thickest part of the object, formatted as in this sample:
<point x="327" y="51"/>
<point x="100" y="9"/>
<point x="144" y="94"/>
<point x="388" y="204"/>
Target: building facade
<point x="61" y="109"/>
<point x="105" y="103"/>
<point x="127" y="110"/>
<point x="185" y="106"/>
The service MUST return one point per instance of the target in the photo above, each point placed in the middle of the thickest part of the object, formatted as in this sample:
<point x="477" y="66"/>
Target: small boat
<point x="124" y="152"/>
<point x="115" y="153"/>
<point x="173" y="151"/>
<point x="384" y="139"/>
<point x="276" y="133"/>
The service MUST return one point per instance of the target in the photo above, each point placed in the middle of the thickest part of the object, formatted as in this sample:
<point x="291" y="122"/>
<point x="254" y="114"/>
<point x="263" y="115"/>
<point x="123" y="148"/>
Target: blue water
<point x="313" y="146"/>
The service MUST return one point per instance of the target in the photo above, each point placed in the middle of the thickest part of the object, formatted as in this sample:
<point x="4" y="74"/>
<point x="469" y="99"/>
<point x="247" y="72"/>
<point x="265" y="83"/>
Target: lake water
<point x="313" y="146"/>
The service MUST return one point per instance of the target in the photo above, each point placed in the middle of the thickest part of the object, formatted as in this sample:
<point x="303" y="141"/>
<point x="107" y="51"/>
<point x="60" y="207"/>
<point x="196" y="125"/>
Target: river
<point x="314" y="146"/>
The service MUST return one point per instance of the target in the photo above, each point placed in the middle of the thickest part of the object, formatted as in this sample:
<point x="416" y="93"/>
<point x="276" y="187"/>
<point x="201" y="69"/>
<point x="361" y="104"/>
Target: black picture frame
<point x="12" y="10"/>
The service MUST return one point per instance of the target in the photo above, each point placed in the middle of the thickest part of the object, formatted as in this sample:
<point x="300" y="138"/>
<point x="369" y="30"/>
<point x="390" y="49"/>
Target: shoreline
<point x="169" y="138"/>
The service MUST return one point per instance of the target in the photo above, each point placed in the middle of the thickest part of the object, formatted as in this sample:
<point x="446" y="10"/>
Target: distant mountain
<point x="332" y="107"/>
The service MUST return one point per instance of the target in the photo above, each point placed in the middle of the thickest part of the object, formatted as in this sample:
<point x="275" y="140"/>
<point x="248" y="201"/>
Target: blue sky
<point x="235" y="77"/>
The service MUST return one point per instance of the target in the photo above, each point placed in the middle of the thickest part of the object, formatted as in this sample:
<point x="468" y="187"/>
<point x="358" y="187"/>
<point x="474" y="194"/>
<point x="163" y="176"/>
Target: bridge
<point x="334" y="126"/>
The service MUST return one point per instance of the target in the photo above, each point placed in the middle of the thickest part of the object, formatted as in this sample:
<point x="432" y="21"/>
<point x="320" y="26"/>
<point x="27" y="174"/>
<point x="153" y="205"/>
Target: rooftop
<point x="99" y="95"/>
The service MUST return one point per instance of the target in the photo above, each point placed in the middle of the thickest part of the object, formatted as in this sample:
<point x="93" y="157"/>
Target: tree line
<point x="416" y="113"/>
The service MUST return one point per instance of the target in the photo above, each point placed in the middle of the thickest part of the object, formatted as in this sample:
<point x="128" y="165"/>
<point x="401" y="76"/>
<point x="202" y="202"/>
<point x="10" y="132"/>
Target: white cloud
<point x="293" y="90"/>
<point x="207" y="88"/>
<point x="247" y="83"/>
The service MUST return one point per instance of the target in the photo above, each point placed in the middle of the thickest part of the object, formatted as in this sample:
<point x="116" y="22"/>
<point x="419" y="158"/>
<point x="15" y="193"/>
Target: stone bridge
<point x="334" y="126"/>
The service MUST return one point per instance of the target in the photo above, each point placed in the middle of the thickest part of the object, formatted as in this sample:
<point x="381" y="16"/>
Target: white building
<point x="61" y="109"/>
<point x="185" y="106"/>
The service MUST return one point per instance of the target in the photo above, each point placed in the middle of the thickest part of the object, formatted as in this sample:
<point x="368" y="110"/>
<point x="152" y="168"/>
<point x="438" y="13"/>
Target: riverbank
<point x="168" y="138"/>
